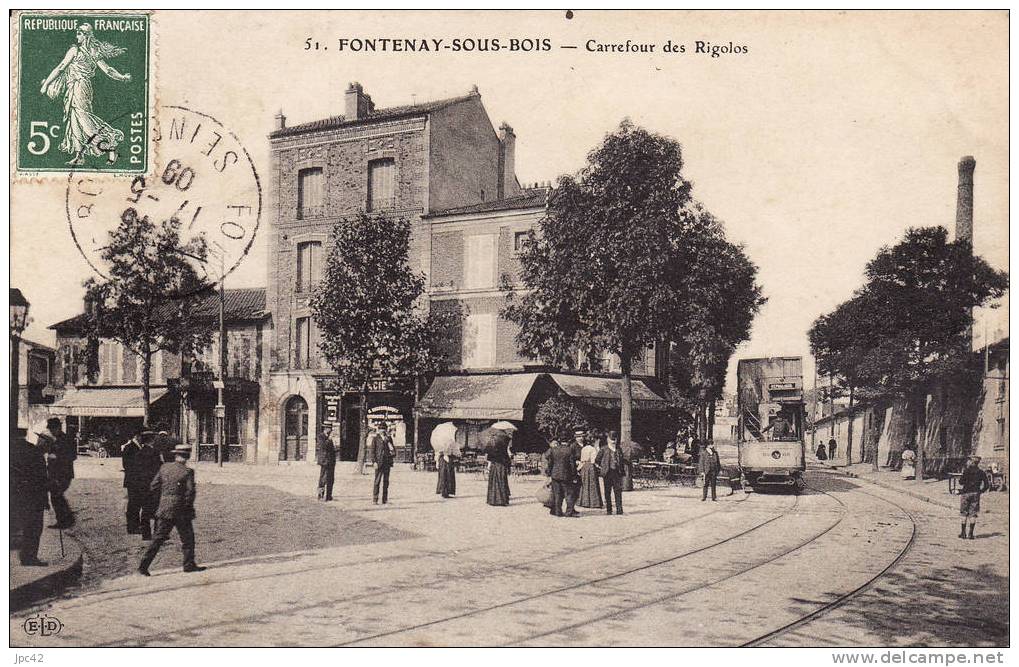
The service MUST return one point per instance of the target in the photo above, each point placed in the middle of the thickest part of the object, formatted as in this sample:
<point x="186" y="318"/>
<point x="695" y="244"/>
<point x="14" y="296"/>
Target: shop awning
<point x="105" y="402"/>
<point x="477" y="397"/>
<point x="603" y="392"/>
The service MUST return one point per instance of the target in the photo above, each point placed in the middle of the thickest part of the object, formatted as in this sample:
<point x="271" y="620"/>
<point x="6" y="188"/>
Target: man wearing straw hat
<point x="175" y="486"/>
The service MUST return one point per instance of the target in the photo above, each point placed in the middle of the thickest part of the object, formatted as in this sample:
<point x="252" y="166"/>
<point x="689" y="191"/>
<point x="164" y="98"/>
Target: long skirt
<point x="498" y="484"/>
<point x="590" y="494"/>
<point x="447" y="479"/>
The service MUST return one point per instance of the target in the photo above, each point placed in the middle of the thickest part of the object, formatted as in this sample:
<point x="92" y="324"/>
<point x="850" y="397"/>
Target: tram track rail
<point x="483" y="571"/>
<point x="572" y="587"/>
<point x="842" y="600"/>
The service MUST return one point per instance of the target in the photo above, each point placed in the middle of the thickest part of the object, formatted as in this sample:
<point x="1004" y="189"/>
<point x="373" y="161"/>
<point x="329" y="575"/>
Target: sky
<point x="826" y="140"/>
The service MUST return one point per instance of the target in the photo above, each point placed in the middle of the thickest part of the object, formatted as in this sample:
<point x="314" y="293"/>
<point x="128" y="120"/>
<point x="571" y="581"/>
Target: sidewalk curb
<point x="52" y="583"/>
<point x="892" y="487"/>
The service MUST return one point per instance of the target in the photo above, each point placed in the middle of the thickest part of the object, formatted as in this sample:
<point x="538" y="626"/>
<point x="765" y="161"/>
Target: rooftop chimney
<point x="358" y="105"/>
<point x="964" y="204"/>
<point x="508" y="186"/>
<point x="280" y="120"/>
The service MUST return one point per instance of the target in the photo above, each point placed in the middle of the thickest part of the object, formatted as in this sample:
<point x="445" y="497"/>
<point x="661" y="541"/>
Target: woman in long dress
<point x="84" y="132"/>
<point x="590" y="494"/>
<point x="499" y="457"/>
<point x="446" y="486"/>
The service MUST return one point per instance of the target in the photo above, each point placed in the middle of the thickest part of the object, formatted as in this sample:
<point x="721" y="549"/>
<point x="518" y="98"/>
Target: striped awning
<point x="106" y="402"/>
<point x="477" y="397"/>
<point x="603" y="392"/>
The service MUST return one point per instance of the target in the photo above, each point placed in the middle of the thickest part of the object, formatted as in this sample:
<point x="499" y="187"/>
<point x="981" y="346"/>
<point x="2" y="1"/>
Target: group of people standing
<point x="574" y="469"/>
<point x="40" y="475"/>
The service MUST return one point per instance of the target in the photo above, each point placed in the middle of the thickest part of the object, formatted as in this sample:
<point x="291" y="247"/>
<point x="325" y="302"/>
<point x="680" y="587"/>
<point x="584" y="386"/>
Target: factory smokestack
<point x="964" y="204"/>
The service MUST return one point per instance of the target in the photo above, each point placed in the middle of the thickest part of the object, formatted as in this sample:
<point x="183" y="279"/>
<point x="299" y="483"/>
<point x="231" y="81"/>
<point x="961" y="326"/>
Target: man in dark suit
<point x="135" y="496"/>
<point x="141" y="464"/>
<point x="710" y="467"/>
<point x="60" y="455"/>
<point x="28" y="482"/>
<point x="325" y="456"/>
<point x="611" y="467"/>
<point x="384" y="452"/>
<point x="174" y="484"/>
<point x="562" y="469"/>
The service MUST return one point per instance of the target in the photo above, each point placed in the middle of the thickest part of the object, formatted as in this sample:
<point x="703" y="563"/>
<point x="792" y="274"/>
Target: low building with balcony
<point x="105" y="403"/>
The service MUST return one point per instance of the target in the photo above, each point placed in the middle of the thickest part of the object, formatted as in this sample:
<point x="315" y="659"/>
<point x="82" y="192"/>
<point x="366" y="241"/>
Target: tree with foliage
<point x="612" y="265"/>
<point x="145" y="301"/>
<point x="557" y="416"/>
<point x="914" y="317"/>
<point x="839" y="346"/>
<point x="366" y="308"/>
<point x="724" y="297"/>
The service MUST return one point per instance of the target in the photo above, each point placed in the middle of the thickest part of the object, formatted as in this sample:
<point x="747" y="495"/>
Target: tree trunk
<point x="920" y="402"/>
<point x="702" y="409"/>
<point x="417" y="425"/>
<point x="146" y="378"/>
<point x="711" y="422"/>
<point x="625" y="399"/>
<point x="849" y="429"/>
<point x="362" y="436"/>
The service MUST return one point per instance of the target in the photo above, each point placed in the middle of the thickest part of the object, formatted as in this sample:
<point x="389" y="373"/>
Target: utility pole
<point x="813" y="417"/>
<point x="221" y="384"/>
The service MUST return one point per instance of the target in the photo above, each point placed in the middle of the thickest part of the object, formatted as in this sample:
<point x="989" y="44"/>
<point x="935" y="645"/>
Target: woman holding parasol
<point x="446" y="450"/>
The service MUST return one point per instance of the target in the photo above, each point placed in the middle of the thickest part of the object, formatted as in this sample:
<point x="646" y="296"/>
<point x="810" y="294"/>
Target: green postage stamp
<point x="83" y="92"/>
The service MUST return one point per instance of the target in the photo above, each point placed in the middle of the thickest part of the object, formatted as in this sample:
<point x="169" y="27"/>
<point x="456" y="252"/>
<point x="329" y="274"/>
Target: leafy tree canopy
<point x="144" y="303"/>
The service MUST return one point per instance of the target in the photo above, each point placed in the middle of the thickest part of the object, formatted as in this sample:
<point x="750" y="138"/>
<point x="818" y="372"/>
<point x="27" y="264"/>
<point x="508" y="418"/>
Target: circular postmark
<point x="202" y="177"/>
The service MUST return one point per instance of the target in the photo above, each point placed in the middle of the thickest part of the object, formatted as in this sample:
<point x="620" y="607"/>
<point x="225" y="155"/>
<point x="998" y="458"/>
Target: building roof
<point x="245" y="304"/>
<point x="36" y="346"/>
<point x="536" y="198"/>
<point x="375" y="116"/>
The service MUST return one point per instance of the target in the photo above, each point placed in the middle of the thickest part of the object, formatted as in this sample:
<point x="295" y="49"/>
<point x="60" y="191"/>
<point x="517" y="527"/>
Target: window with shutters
<point x="70" y="365"/>
<point x="130" y="365"/>
<point x="479" y="261"/>
<point x="240" y="362"/>
<point x="310" y="193"/>
<point x="479" y="341"/>
<point x="309" y="265"/>
<point x="302" y="342"/>
<point x="381" y="184"/>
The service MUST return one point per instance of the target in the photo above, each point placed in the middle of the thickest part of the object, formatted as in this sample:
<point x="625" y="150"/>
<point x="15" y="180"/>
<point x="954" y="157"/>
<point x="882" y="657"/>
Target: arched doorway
<point x="295" y="430"/>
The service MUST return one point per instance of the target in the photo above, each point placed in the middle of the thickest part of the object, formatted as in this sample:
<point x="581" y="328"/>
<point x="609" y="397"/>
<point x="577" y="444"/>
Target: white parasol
<point x="444" y="439"/>
<point x="503" y="426"/>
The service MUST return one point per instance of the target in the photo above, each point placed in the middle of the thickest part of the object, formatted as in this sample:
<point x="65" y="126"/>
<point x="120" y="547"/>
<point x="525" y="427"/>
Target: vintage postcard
<point x="556" y="328"/>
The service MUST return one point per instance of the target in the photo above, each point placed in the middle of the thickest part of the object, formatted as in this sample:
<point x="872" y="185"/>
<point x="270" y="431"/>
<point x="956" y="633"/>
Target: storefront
<point x="390" y="403"/>
<point x="109" y="416"/>
<point x="197" y="422"/>
<point x="475" y="401"/>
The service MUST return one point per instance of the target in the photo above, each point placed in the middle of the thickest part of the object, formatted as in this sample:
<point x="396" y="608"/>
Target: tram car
<point x="770" y="428"/>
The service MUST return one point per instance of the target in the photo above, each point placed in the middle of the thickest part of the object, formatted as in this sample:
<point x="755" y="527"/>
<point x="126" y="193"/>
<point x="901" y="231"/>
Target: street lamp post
<point x="19" y="320"/>
<point x="221" y="383"/>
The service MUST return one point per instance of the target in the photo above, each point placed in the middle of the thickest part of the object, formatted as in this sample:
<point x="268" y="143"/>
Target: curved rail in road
<point x="843" y="599"/>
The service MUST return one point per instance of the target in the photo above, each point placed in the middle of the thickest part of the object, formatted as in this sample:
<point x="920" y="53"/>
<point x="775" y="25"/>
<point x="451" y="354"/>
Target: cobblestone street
<point x="422" y="571"/>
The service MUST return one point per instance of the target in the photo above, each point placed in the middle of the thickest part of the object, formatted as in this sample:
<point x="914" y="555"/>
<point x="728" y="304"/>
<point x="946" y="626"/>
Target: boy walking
<point x="973" y="482"/>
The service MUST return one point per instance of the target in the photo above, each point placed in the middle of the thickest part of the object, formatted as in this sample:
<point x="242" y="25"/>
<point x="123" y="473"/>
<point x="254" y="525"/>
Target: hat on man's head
<point x="579" y="431"/>
<point x="182" y="450"/>
<point x="974" y="458"/>
<point x="53" y="422"/>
